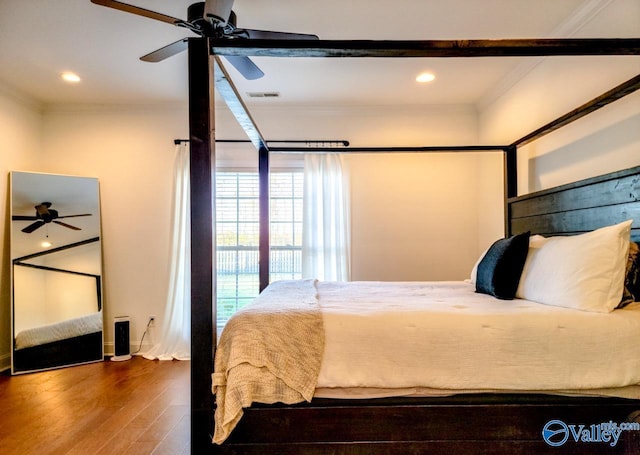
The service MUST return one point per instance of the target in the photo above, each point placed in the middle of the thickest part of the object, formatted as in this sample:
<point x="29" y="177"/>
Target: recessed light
<point x="70" y="77"/>
<point x="46" y="244"/>
<point x="425" y="77"/>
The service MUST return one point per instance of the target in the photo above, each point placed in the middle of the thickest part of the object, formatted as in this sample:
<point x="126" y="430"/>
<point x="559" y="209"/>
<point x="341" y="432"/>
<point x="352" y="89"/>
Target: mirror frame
<point x="83" y="341"/>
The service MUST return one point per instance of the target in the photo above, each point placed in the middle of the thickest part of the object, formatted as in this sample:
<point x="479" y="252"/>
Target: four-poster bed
<point x="487" y="423"/>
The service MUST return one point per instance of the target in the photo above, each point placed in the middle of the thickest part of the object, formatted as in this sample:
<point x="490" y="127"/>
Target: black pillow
<point x="500" y="269"/>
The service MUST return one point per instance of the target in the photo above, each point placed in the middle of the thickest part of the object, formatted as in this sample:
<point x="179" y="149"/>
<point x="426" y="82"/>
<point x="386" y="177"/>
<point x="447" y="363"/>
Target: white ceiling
<point x="39" y="39"/>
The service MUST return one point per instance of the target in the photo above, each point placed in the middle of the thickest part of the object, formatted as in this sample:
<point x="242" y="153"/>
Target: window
<point x="237" y="227"/>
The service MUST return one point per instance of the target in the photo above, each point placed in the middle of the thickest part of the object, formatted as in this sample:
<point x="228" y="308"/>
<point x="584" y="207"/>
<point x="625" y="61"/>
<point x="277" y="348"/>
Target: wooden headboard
<point x="579" y="207"/>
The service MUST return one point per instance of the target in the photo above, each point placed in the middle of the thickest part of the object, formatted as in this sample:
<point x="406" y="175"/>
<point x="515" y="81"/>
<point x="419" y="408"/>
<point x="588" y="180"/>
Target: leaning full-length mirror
<point x="56" y="270"/>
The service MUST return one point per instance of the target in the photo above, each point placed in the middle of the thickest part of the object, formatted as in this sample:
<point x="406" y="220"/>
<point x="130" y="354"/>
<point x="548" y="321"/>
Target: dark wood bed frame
<point x="480" y="423"/>
<point x="71" y="351"/>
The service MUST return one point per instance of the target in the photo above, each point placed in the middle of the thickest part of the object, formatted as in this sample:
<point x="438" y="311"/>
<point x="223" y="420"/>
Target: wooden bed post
<point x="511" y="171"/>
<point x="202" y="189"/>
<point x="264" y="247"/>
<point x="510" y="183"/>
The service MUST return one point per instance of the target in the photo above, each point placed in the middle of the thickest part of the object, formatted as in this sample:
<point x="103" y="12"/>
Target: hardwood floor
<point x="133" y="407"/>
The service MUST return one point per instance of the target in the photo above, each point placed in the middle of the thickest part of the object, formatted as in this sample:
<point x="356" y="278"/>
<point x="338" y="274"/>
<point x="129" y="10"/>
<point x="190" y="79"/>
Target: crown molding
<point x="568" y="28"/>
<point x="20" y="97"/>
<point x="58" y="108"/>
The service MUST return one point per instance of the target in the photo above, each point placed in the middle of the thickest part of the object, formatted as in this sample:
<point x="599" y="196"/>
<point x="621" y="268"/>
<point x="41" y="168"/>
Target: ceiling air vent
<point x="263" y="94"/>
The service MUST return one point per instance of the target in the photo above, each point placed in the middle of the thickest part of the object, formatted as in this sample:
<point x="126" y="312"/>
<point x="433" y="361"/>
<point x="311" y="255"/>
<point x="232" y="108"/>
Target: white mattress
<point x="442" y="337"/>
<point x="37" y="336"/>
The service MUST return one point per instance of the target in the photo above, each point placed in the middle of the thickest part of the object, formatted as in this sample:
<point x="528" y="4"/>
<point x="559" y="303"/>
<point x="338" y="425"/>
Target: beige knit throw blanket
<point x="270" y="351"/>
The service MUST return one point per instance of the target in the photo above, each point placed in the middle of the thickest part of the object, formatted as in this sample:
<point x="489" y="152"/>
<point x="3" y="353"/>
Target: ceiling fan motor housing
<point x="44" y="213"/>
<point x="49" y="217"/>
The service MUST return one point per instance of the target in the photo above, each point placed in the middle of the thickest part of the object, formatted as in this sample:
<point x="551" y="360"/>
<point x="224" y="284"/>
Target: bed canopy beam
<point x="620" y="91"/>
<point x="423" y="149"/>
<point x="229" y="92"/>
<point x="432" y="48"/>
<point x="202" y="139"/>
<point x="232" y="98"/>
<point x="344" y="142"/>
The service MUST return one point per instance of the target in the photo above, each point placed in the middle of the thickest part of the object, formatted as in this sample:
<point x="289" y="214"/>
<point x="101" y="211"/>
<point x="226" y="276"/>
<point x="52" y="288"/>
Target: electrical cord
<point x="144" y="334"/>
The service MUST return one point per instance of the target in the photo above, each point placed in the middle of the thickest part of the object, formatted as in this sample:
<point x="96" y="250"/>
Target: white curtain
<point x="326" y="234"/>
<point x="175" y="335"/>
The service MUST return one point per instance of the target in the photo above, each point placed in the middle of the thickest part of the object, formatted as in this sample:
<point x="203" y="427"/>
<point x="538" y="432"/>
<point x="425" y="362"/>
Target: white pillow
<point x="474" y="270"/>
<point x="584" y="272"/>
<point x="535" y="241"/>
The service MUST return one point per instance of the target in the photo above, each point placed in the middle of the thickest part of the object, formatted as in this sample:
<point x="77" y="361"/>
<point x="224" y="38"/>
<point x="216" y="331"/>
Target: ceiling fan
<point x="45" y="214"/>
<point x="213" y="18"/>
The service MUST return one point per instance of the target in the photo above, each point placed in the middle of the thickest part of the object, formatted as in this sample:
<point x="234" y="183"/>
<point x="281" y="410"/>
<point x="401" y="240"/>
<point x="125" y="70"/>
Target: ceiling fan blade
<point x="165" y="52"/>
<point x="24" y="218"/>
<point x="245" y="66"/>
<point x="67" y="225"/>
<point x="32" y="227"/>
<point x="73" y="216"/>
<point x="265" y="34"/>
<point x="137" y="10"/>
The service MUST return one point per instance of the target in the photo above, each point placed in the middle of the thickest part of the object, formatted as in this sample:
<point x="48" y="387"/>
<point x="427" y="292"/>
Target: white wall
<point x="20" y="139"/>
<point x="413" y="215"/>
<point x="130" y="150"/>
<point x="363" y="125"/>
<point x="605" y="141"/>
<point x="602" y="142"/>
<point x="490" y="200"/>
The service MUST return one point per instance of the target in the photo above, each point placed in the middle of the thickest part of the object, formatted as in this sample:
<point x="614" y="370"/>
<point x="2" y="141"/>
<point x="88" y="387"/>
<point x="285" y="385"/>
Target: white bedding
<point x="84" y="325"/>
<point x="442" y="337"/>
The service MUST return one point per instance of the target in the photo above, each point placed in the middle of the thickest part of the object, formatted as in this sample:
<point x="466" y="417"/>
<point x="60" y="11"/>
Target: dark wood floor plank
<point x="112" y="426"/>
<point x="72" y="414"/>
<point x="139" y="406"/>
<point x="164" y="424"/>
<point x="177" y="441"/>
<point x="121" y="443"/>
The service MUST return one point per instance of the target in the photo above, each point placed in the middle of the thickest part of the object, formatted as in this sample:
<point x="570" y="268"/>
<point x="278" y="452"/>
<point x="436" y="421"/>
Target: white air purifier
<point x="122" y="348"/>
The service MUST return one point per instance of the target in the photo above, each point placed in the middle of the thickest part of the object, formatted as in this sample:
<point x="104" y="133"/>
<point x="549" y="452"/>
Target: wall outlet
<point x="152" y="321"/>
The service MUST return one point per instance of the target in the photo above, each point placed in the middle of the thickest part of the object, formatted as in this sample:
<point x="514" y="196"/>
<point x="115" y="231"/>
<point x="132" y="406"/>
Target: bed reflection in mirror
<point x="56" y="270"/>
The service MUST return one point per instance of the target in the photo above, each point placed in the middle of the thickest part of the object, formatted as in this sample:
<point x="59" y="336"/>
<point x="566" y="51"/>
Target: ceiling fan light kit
<point x="218" y="10"/>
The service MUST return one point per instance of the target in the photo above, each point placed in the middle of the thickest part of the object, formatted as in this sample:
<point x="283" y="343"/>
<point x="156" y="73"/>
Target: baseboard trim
<point x="134" y="348"/>
<point x="5" y="362"/>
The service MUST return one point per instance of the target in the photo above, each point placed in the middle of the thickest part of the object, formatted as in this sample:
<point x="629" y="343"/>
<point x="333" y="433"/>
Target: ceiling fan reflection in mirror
<point x="44" y="215"/>
<point x="213" y="18"/>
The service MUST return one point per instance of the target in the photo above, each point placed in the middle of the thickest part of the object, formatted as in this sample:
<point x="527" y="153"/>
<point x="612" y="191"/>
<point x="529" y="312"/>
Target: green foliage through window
<point x="237" y="227"/>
